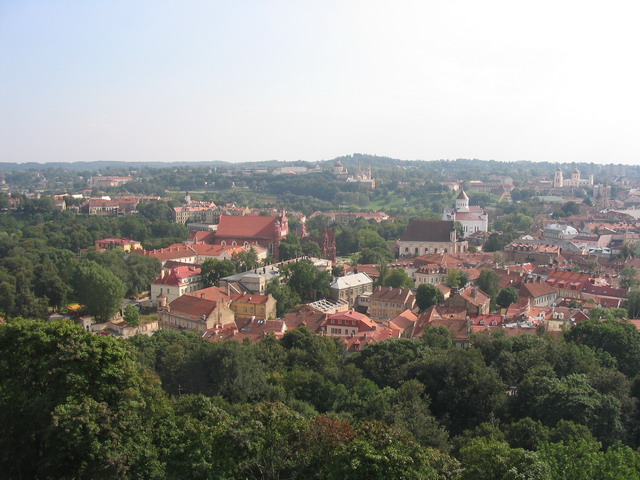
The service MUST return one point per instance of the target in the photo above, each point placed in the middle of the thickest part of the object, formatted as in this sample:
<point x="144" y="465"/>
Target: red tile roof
<point x="355" y="343"/>
<point x="249" y="298"/>
<point x="211" y="293"/>
<point x="403" y="321"/>
<point x="246" y="226"/>
<point x="193" y="307"/>
<point x="312" y="320"/>
<point x="363" y="322"/>
<point x="177" y="276"/>
<point x="474" y="296"/>
<point x="536" y="289"/>
<point x="390" y="294"/>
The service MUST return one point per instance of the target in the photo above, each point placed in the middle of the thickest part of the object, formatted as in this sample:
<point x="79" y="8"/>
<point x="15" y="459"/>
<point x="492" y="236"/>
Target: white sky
<point x="241" y="80"/>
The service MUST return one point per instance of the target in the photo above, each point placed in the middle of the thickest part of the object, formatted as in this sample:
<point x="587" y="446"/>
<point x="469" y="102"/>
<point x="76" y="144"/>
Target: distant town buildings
<point x="108" y="181"/>
<point x="363" y="177"/>
<point x="575" y="181"/>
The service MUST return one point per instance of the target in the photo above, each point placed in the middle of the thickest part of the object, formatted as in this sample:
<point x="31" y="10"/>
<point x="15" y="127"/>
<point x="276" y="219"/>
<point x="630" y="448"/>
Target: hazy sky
<point x="241" y="80"/>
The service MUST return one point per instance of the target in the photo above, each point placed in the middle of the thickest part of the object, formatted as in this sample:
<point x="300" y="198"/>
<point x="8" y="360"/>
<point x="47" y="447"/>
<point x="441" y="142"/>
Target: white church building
<point x="575" y="181"/>
<point x="473" y="219"/>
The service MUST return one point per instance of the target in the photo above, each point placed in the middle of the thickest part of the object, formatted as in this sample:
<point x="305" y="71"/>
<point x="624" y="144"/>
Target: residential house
<point x="604" y="296"/>
<point x="539" y="253"/>
<point x="389" y="302"/>
<point x="176" y="282"/>
<point x="349" y="287"/>
<point x="251" y="329"/>
<point x="261" y="307"/>
<point x="355" y="343"/>
<point x="473" y="300"/>
<point x="456" y="320"/>
<point x="404" y="323"/>
<point x="198" y="311"/>
<point x="538" y="293"/>
<point x="432" y="273"/>
<point x="347" y="323"/>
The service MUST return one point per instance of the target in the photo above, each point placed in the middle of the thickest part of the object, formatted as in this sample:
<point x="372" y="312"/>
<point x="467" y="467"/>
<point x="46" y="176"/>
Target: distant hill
<point x="102" y="165"/>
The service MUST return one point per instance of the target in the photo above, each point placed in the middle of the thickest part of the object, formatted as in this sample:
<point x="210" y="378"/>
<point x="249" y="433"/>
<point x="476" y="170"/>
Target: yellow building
<point x="245" y="305"/>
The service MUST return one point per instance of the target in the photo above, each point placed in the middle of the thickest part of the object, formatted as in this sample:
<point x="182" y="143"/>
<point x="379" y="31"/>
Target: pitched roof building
<point x="349" y="287"/>
<point x="248" y="230"/>
<point x="176" y="282"/>
<point x="430" y="236"/>
<point x="198" y="311"/>
<point x="389" y="302"/>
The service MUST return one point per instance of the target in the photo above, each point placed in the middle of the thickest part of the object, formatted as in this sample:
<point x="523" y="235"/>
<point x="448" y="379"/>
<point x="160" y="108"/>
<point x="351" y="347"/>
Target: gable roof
<point x="428" y="231"/>
<point x="246" y="226"/>
<point x="474" y="296"/>
<point x="193" y="307"/>
<point x="404" y="320"/>
<point x="312" y="320"/>
<point x="390" y="294"/>
<point x="536" y="289"/>
<point x="213" y="294"/>
<point x="364" y="322"/>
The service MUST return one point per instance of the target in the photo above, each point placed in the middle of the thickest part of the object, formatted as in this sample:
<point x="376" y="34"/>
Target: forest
<point x="78" y="405"/>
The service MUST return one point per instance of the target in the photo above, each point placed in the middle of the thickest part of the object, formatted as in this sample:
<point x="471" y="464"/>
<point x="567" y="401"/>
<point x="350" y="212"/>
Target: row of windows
<point x="426" y="250"/>
<point x="348" y="322"/>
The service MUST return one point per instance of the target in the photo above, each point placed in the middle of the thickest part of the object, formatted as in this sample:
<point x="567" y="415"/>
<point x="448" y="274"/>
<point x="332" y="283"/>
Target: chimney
<point x="474" y="292"/>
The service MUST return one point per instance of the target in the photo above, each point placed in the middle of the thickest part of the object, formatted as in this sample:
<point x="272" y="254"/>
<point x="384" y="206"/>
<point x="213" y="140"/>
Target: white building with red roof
<point x="176" y="282"/>
<point x="472" y="218"/>
<point x="347" y="323"/>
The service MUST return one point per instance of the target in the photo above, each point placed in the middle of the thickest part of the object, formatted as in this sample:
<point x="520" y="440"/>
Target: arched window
<point x="223" y="242"/>
<point x="234" y="243"/>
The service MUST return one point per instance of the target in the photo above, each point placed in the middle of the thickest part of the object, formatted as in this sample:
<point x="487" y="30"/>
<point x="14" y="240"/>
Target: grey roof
<point x="429" y="231"/>
<point x="349" y="281"/>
